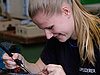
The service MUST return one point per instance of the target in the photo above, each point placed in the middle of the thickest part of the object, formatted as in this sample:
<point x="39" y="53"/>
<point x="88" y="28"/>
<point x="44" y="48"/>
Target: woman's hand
<point x="9" y="62"/>
<point x="53" y="69"/>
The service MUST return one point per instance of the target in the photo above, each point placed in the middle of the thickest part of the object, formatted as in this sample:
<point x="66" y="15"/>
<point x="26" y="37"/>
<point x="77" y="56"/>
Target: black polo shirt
<point x="67" y="55"/>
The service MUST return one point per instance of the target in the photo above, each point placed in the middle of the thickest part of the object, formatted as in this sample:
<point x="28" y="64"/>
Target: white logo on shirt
<point x="87" y="70"/>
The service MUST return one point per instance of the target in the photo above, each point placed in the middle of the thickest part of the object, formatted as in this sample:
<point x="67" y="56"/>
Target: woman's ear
<point x="65" y="10"/>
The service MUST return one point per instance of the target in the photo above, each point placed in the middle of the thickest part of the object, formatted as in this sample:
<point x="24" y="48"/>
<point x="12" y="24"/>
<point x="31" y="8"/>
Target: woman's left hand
<point x="53" y="69"/>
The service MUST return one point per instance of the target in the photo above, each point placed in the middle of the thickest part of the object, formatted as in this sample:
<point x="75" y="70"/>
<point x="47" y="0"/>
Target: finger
<point x="10" y="62"/>
<point x="11" y="66"/>
<point x="53" y="73"/>
<point x="52" y="67"/>
<point x="6" y="56"/>
<point x="15" y="55"/>
<point x="41" y="73"/>
<point x="45" y="71"/>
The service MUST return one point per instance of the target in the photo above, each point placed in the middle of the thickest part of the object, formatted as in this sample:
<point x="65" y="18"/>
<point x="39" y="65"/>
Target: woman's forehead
<point x="41" y="20"/>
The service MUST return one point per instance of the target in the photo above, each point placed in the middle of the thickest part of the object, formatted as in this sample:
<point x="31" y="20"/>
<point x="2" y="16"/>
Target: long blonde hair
<point x="87" y="31"/>
<point x="85" y="24"/>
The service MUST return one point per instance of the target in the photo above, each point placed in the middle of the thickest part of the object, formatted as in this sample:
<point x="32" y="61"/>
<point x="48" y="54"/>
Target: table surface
<point x="11" y="36"/>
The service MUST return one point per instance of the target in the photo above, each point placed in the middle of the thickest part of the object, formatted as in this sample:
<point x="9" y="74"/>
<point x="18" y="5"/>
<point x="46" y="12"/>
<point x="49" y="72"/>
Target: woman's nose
<point x="49" y="34"/>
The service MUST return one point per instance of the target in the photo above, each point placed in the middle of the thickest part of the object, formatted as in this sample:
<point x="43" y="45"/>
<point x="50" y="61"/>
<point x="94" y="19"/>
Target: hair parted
<point x="85" y="23"/>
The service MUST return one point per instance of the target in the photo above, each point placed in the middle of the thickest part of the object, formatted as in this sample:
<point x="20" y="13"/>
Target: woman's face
<point x="60" y="26"/>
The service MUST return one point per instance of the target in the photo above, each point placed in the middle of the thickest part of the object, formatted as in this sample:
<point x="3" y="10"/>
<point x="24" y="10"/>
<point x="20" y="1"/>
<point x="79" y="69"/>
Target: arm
<point x="35" y="68"/>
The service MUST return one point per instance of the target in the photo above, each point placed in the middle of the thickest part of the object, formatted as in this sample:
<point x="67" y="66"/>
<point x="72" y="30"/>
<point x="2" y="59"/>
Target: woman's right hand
<point x="9" y="61"/>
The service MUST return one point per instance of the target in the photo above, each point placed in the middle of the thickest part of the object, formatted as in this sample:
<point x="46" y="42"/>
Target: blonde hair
<point x="47" y="6"/>
<point x="87" y="31"/>
<point x="85" y="24"/>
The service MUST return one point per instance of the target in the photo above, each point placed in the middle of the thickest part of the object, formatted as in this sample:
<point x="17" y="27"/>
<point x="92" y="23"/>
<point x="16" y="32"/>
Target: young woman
<point x="73" y="39"/>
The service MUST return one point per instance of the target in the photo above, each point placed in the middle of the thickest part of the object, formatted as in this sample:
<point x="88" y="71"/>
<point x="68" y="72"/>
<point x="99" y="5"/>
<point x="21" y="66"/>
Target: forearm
<point x="33" y="68"/>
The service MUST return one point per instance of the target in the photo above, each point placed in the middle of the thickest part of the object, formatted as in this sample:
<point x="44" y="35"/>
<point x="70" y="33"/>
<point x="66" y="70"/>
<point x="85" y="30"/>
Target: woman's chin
<point x="62" y="40"/>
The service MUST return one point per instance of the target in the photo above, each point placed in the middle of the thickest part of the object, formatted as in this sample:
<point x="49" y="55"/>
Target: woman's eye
<point x="50" y="27"/>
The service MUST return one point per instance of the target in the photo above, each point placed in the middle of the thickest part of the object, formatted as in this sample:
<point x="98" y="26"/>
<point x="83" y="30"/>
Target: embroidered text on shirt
<point x="87" y="70"/>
